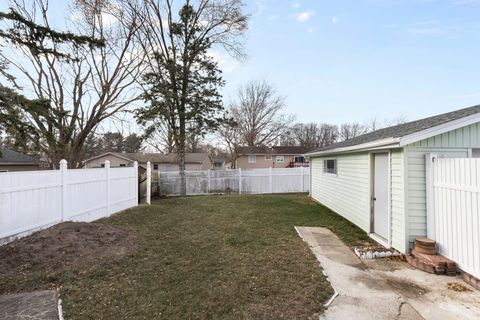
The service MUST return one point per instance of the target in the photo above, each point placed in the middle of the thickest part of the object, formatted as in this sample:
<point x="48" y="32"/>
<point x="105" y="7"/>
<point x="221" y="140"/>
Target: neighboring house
<point x="15" y="161"/>
<point x="271" y="157"/>
<point x="161" y="162"/>
<point x="377" y="180"/>
<point x="219" y="164"/>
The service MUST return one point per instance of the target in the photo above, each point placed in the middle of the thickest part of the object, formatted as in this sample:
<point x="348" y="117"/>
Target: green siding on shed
<point x="397" y="204"/>
<point x="452" y="144"/>
<point x="348" y="192"/>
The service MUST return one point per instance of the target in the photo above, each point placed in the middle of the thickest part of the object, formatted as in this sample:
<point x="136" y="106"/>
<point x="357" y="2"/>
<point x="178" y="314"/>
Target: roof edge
<point x="439" y="129"/>
<point x="104" y="154"/>
<point x="388" y="142"/>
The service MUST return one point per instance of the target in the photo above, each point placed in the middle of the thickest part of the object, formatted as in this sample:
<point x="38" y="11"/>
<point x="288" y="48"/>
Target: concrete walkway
<point x="380" y="289"/>
<point x="37" y="305"/>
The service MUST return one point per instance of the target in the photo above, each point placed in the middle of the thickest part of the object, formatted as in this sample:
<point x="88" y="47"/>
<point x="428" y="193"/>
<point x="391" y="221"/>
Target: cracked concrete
<point x="37" y="305"/>
<point x="380" y="289"/>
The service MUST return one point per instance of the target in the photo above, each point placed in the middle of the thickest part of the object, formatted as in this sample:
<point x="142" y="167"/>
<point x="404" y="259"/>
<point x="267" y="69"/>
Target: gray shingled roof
<point x="280" y="150"/>
<point x="404" y="129"/>
<point x="12" y="157"/>
<point x="164" y="158"/>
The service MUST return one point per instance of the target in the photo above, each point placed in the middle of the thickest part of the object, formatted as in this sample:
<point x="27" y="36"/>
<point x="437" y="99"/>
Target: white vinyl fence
<point x="453" y="209"/>
<point x="33" y="200"/>
<point x="271" y="180"/>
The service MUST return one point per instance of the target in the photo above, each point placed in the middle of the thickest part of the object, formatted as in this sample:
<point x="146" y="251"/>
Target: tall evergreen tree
<point x="182" y="85"/>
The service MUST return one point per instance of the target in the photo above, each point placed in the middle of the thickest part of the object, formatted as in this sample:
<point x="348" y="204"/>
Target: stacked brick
<point x="424" y="257"/>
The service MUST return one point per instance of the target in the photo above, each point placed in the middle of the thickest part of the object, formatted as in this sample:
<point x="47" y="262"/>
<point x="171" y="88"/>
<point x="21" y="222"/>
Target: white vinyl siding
<point x="397" y="200"/>
<point x="347" y="193"/>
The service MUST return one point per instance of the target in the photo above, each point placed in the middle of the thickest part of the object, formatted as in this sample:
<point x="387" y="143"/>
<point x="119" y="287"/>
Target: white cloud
<point x="335" y="20"/>
<point x="225" y="62"/>
<point x="296" y="4"/>
<point x="305" y="15"/>
<point x="310" y="30"/>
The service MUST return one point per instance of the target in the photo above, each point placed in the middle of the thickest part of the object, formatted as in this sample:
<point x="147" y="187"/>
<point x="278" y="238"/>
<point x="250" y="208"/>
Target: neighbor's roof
<point x="394" y="133"/>
<point x="280" y="150"/>
<point x="156" y="157"/>
<point x="10" y="157"/>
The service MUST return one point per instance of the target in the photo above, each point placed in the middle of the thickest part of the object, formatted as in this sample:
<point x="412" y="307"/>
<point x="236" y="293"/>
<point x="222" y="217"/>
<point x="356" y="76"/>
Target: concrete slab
<point x="384" y="289"/>
<point x="37" y="305"/>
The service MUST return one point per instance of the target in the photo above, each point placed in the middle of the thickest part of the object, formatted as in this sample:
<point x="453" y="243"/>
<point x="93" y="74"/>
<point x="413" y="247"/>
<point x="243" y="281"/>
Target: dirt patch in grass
<point x="64" y="249"/>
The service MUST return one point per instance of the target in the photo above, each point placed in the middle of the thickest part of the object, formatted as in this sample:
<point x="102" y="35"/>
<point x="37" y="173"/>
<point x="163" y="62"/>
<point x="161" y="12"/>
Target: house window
<point x="102" y="165"/>
<point x="268" y="157"/>
<point x="300" y="159"/>
<point x="330" y="166"/>
<point x="155" y="167"/>
<point x="280" y="159"/>
<point x="3" y="171"/>
<point x="475" y="153"/>
<point x="123" y="165"/>
<point x="252" y="159"/>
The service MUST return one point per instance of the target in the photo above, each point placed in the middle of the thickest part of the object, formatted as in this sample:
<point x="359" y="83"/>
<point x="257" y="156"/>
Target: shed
<point x="377" y="180"/>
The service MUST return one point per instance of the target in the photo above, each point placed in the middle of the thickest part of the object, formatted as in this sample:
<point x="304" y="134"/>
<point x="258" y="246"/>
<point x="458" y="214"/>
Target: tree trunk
<point x="181" y="153"/>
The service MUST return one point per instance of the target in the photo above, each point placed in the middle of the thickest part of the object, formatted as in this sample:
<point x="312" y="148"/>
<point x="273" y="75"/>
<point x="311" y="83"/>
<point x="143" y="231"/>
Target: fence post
<point x="302" y="182"/>
<point x="240" y="180"/>
<point x="270" y="178"/>
<point x="430" y="193"/>
<point x="135" y="168"/>
<point x="107" y="183"/>
<point x="149" y="182"/>
<point x="209" y="186"/>
<point x="63" y="173"/>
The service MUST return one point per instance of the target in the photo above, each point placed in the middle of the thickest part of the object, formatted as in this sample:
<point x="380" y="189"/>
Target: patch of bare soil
<point x="65" y="246"/>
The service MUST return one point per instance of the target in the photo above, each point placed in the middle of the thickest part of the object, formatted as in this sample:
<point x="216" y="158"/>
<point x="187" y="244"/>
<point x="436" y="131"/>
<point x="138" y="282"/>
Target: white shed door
<point x="380" y="195"/>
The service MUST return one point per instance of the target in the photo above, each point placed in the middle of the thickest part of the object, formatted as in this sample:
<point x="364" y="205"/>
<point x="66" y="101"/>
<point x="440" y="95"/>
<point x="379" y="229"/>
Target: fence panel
<point x="33" y="200"/>
<point x="253" y="181"/>
<point x="454" y="217"/>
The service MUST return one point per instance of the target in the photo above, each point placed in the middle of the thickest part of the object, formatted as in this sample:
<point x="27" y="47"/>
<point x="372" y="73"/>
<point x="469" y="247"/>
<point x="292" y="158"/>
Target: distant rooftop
<point x="280" y="150"/>
<point x="8" y="156"/>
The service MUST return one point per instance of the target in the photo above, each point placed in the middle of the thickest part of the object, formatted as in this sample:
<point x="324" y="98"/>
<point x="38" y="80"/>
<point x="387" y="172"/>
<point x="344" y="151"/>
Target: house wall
<point x="114" y="161"/>
<point x="455" y="143"/>
<point x="173" y="167"/>
<point x="348" y="192"/>
<point x="261" y="162"/>
<point x="207" y="164"/>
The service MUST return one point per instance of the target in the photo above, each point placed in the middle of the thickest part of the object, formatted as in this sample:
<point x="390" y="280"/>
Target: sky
<point x="353" y="60"/>
<point x="350" y="61"/>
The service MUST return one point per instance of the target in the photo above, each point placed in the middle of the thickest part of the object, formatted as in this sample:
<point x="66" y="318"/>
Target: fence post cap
<point x="63" y="163"/>
<point x="107" y="164"/>
<point x="135" y="164"/>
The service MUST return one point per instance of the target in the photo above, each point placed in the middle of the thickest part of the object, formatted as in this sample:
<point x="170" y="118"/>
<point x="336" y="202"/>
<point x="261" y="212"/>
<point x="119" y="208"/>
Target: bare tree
<point x="258" y="114"/>
<point x="313" y="135"/>
<point x="375" y="124"/>
<point x="94" y="85"/>
<point x="351" y="130"/>
<point x="229" y="137"/>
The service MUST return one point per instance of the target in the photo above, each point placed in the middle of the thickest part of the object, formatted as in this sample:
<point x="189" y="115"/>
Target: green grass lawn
<point x="215" y="257"/>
